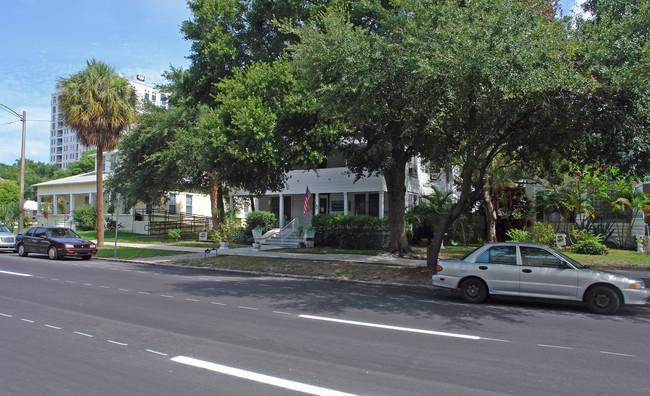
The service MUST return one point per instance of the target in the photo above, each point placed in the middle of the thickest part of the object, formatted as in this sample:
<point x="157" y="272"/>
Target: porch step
<point x="288" y="239"/>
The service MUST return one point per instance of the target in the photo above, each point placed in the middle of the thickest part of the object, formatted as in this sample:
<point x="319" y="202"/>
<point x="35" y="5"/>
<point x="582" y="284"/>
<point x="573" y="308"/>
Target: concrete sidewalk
<point x="271" y="252"/>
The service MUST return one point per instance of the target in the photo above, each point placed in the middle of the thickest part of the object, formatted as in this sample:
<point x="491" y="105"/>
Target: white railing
<point x="293" y="225"/>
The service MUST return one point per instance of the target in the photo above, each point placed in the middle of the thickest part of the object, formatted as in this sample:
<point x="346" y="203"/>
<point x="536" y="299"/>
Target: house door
<point x="373" y="205"/>
<point x="359" y="204"/>
<point x="323" y="204"/>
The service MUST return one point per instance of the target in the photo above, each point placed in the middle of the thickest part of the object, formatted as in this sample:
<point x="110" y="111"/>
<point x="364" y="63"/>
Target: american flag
<point x="307" y="198"/>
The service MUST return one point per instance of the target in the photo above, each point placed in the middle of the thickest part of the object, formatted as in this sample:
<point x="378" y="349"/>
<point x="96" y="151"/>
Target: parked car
<point x="7" y="239"/>
<point x="56" y="242"/>
<point x="531" y="270"/>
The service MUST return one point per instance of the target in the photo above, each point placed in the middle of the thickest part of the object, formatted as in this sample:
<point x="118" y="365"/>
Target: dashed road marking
<point x="83" y="334"/>
<point x="53" y="327"/>
<point x="617" y="354"/>
<point x="156" y="352"/>
<point x="117" y="343"/>
<point x="553" y="346"/>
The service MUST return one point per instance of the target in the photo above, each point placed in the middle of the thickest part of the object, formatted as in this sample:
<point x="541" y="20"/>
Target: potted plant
<point x="257" y="232"/>
<point x="310" y="232"/>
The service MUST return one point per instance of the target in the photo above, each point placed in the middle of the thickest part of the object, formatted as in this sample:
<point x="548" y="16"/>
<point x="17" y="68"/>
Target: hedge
<point x="349" y="232"/>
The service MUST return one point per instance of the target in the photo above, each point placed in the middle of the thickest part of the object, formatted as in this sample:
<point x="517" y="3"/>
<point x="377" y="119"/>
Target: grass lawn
<point x="131" y="253"/>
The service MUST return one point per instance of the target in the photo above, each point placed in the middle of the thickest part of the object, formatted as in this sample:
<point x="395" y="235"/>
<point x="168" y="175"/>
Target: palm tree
<point x="100" y="105"/>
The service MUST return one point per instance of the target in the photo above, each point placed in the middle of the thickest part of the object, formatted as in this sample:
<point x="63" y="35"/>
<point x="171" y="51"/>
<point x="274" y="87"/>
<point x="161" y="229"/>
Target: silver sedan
<point x="531" y="270"/>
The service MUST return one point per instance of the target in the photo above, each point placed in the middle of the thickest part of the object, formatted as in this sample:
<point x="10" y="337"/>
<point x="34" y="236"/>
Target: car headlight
<point x="92" y="245"/>
<point x="69" y="246"/>
<point x="637" y="285"/>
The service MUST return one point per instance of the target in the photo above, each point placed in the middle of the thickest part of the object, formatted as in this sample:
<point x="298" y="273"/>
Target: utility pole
<point x="21" y="197"/>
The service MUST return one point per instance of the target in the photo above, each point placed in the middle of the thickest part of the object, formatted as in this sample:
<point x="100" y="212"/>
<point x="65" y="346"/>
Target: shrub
<point x="588" y="243"/>
<point x="357" y="232"/>
<point x="174" y="233"/>
<point x="85" y="218"/>
<point x="544" y="234"/>
<point x="517" y="235"/>
<point x="589" y="247"/>
<point x="262" y="219"/>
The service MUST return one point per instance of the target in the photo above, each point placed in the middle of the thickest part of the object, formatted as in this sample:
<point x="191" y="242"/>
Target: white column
<point x="281" y="204"/>
<point x="231" y="203"/>
<point x="71" y="203"/>
<point x="39" y="202"/>
<point x="90" y="199"/>
<point x="381" y="204"/>
<point x="316" y="203"/>
<point x="345" y="203"/>
<point x="55" y="209"/>
<point x="256" y="202"/>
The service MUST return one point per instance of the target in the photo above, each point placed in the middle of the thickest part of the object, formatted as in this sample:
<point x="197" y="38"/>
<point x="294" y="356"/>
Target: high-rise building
<point x="64" y="145"/>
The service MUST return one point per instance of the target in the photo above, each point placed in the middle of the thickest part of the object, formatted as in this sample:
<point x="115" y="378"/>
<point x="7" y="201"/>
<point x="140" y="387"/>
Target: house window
<point x="188" y="204"/>
<point x="172" y="204"/>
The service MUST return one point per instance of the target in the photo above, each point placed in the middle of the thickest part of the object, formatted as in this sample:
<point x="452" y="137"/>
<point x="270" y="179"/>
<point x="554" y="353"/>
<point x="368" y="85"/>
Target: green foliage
<point x="35" y="172"/>
<point x="85" y="164"/>
<point x="588" y="243"/>
<point x="544" y="234"/>
<point x="355" y="232"/>
<point x="174" y="233"/>
<point x="9" y="192"/>
<point x="260" y="218"/>
<point x="85" y="217"/>
<point x="9" y="214"/>
<point x="423" y="217"/>
<point x="517" y="235"/>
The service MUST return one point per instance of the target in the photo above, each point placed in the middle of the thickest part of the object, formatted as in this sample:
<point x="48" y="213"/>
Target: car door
<point x="29" y="241"/>
<point x="545" y="275"/>
<point x="39" y="241"/>
<point x="497" y="266"/>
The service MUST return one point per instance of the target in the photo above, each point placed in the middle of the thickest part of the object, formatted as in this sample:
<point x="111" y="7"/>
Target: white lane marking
<point x="262" y="378"/>
<point x="105" y="287"/>
<point x="15" y="273"/>
<point x="84" y="334"/>
<point x="617" y="354"/>
<point x="88" y="284"/>
<point x="27" y="320"/>
<point x="387" y="327"/>
<point x="156" y="352"/>
<point x="282" y="313"/>
<point x="553" y="346"/>
<point x="143" y="293"/>
<point x="53" y="327"/>
<point x="252" y="309"/>
<point x="123" y="290"/>
<point x="117" y="343"/>
<point x="70" y="282"/>
<point x="263" y="285"/>
<point x="55" y="279"/>
<point x="191" y="299"/>
<point x="164" y="295"/>
<point x="217" y="303"/>
<point x="6" y="315"/>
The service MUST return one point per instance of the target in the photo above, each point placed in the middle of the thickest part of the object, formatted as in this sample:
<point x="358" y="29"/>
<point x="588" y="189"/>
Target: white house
<point x="335" y="191"/>
<point x="186" y="211"/>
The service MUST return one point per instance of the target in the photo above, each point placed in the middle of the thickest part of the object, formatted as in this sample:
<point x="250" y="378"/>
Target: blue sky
<point x="43" y="40"/>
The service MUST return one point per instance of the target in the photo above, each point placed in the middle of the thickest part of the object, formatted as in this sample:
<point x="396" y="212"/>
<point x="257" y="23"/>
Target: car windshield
<point x="3" y="228"/>
<point x="61" y="233"/>
<point x="570" y="260"/>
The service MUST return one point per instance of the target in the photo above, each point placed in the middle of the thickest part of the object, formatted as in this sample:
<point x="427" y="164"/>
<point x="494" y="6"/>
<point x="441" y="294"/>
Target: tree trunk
<point x="433" y="250"/>
<point x="490" y="216"/>
<point x="100" y="196"/>
<point x="214" y="198"/>
<point x="396" y="191"/>
<point x="220" y="207"/>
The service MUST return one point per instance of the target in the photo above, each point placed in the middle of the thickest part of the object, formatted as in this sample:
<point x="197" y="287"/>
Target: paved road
<point x="73" y="327"/>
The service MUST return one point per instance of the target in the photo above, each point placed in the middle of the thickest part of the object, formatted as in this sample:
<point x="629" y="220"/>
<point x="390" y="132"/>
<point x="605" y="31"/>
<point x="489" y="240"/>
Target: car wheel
<point x="473" y="290"/>
<point x="52" y="253"/>
<point x="86" y="257"/>
<point x="22" y="251"/>
<point x="602" y="300"/>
